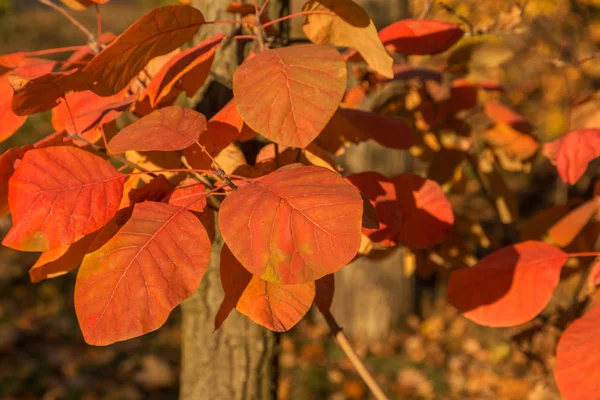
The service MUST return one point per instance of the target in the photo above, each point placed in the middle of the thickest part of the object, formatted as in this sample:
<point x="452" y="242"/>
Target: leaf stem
<point x="262" y="9"/>
<point x="342" y="340"/>
<point x="294" y="15"/>
<point x="228" y="21"/>
<point x="72" y="19"/>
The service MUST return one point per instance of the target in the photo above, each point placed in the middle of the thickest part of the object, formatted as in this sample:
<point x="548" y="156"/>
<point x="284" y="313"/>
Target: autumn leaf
<point x="276" y="307"/>
<point x="7" y="161"/>
<point x="57" y="262"/>
<point x="57" y="195"/>
<point x="187" y="71"/>
<point x="83" y="113"/>
<point x="576" y="371"/>
<point x="166" y="129"/>
<point x="563" y="232"/>
<point x="289" y="94"/>
<point x="348" y="25"/>
<point x="158" y="32"/>
<point x="402" y="203"/>
<point x="41" y="93"/>
<point x="294" y="225"/>
<point x="499" y="113"/>
<point x="225" y="127"/>
<point x="516" y="144"/>
<point x="573" y="152"/>
<point x="508" y="287"/>
<point x="129" y="286"/>
<point x="420" y="37"/>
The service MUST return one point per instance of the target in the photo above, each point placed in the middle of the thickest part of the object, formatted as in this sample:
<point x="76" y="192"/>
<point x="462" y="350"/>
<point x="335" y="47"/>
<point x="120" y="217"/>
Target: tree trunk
<point x="373" y="292"/>
<point x="239" y="361"/>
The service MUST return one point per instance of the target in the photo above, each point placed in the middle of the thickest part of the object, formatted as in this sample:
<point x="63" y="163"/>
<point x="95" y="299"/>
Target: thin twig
<point x="72" y="19"/>
<point x="98" y="23"/>
<point x="297" y="14"/>
<point x="363" y="372"/>
<point x="262" y="9"/>
<point x="427" y="9"/>
<point x="460" y="17"/>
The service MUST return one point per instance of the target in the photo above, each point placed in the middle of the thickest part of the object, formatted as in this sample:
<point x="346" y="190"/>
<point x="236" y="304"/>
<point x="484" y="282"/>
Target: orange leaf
<point x="57" y="195"/>
<point x="167" y="129"/>
<point x="158" y="32"/>
<point x="564" y="231"/>
<point x="499" y="113"/>
<point x="129" y="286"/>
<point x="348" y="26"/>
<point x="390" y="132"/>
<point x="57" y="262"/>
<point x="420" y="37"/>
<point x="289" y="94"/>
<point x="88" y="111"/>
<point x="509" y="287"/>
<point x="190" y="194"/>
<point x="573" y="152"/>
<point x="187" y="72"/>
<point x="7" y="162"/>
<point x="576" y="372"/>
<point x="516" y="144"/>
<point x="34" y="94"/>
<point x="294" y="225"/>
<point x="276" y="307"/>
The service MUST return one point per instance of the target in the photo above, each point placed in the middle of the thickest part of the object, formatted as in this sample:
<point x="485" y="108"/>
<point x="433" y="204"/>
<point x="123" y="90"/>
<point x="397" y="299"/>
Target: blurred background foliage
<point x="436" y="355"/>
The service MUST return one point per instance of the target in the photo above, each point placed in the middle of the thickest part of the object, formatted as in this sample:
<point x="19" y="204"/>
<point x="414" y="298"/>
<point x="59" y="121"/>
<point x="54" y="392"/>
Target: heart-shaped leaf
<point x="572" y="153"/>
<point x="293" y="226"/>
<point x="289" y="94"/>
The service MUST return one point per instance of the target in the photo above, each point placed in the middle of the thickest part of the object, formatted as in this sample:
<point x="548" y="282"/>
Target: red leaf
<point x="390" y="132"/>
<point x="289" y="94"/>
<point x="57" y="195"/>
<point x="324" y="292"/>
<point x="167" y="129"/>
<point x="7" y="162"/>
<point x="34" y="94"/>
<point x="573" y="152"/>
<point x="9" y="121"/>
<point x="276" y="307"/>
<point x="424" y="205"/>
<point x="576" y="372"/>
<point x="420" y="37"/>
<point x="294" y="225"/>
<point x="190" y="194"/>
<point x="509" y="287"/>
<point x="158" y="32"/>
<point x="403" y="203"/>
<point x="87" y="112"/>
<point x="187" y="71"/>
<point x="129" y="286"/>
<point x="463" y="95"/>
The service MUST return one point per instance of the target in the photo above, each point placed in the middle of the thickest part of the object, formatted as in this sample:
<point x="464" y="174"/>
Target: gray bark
<point x="238" y="361"/>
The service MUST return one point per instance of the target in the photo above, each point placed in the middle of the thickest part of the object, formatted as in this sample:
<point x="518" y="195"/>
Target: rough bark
<point x="238" y="361"/>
